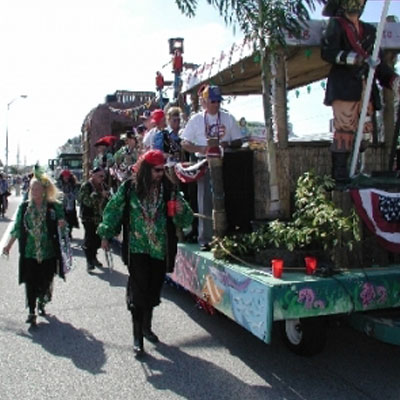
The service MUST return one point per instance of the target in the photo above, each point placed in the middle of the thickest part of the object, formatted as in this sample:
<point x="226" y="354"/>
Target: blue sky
<point x="67" y="55"/>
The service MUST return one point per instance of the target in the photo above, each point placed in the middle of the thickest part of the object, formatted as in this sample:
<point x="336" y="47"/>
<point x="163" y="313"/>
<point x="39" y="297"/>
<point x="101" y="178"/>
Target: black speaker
<point x="239" y="190"/>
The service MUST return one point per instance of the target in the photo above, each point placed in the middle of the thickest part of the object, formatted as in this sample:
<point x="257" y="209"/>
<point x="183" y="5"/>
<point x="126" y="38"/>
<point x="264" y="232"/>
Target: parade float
<point x="116" y="115"/>
<point x="285" y="209"/>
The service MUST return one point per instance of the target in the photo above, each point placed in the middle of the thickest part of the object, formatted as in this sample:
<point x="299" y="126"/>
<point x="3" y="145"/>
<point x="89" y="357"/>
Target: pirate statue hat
<point x="333" y="8"/>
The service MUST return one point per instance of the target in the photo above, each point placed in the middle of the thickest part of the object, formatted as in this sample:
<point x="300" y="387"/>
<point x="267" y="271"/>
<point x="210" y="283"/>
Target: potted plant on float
<point x="317" y="228"/>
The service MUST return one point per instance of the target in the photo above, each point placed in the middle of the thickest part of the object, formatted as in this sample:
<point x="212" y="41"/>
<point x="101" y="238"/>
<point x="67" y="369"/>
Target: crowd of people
<point x="9" y="182"/>
<point x="132" y="188"/>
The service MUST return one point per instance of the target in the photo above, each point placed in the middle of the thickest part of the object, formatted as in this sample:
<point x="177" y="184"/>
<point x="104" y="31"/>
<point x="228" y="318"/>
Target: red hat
<point x="157" y="116"/>
<point x="67" y="173"/>
<point x="152" y="157"/>
<point x="106" y="141"/>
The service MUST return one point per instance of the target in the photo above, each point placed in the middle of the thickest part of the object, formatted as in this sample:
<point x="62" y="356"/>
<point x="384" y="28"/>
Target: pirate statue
<point x="347" y="44"/>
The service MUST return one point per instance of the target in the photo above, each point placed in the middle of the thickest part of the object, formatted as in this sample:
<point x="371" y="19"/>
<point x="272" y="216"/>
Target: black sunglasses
<point x="158" y="169"/>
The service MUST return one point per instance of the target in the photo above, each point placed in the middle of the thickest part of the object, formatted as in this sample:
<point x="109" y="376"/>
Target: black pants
<point x="72" y="219"/>
<point x="91" y="241"/>
<point x="3" y="203"/>
<point x="146" y="277"/>
<point x="39" y="281"/>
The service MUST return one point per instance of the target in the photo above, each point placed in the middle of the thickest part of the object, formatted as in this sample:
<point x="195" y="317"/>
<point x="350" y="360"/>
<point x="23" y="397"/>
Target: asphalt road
<point x="83" y="349"/>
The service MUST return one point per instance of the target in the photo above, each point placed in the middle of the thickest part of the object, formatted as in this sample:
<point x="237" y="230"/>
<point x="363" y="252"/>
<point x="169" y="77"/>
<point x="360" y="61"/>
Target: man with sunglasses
<point x="210" y="123"/>
<point x="150" y="209"/>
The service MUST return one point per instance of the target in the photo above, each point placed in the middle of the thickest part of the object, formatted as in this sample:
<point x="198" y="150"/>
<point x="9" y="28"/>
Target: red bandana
<point x="154" y="157"/>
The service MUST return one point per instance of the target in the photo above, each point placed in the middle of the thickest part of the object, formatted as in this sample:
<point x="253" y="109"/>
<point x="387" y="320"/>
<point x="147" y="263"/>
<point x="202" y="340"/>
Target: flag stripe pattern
<point x="379" y="211"/>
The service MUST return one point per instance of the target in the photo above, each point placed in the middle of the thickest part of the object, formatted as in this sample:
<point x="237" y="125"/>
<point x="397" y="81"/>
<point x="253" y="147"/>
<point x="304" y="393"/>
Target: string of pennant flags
<point x="206" y="70"/>
<point x="133" y="112"/>
<point x="309" y="88"/>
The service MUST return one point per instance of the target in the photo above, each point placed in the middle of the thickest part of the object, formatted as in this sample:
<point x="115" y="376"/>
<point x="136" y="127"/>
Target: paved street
<point x="83" y="349"/>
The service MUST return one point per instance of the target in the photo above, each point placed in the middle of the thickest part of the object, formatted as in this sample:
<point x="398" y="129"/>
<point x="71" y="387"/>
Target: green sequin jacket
<point x="146" y="236"/>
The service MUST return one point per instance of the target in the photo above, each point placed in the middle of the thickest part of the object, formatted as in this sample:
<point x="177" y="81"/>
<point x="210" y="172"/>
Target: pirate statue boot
<point x="147" y="332"/>
<point x="340" y="171"/>
<point x="137" y="321"/>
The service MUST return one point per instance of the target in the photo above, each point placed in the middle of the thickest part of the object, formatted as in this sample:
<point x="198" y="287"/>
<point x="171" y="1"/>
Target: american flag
<point x="380" y="211"/>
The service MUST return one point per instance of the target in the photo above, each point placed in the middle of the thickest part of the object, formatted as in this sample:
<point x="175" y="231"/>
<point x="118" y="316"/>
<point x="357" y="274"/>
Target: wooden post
<point x="218" y="196"/>
<point x="195" y="101"/>
<point x="265" y="62"/>
<point x="261" y="184"/>
<point x="280" y="96"/>
<point x="280" y="112"/>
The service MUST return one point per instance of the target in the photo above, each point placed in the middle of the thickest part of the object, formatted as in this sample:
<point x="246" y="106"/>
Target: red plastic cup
<point x="311" y="265"/>
<point x="171" y="208"/>
<point x="277" y="267"/>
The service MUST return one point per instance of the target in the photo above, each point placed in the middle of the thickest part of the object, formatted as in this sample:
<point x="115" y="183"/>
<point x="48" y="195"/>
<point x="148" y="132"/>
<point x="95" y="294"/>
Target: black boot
<point x="42" y="307"/>
<point x="97" y="263"/>
<point x="31" y="317"/>
<point x="147" y="332"/>
<point x="90" y="266"/>
<point x="137" y="319"/>
<point x="340" y="172"/>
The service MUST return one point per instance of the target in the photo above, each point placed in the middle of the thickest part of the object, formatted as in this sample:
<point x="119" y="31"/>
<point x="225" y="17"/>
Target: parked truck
<point x="70" y="161"/>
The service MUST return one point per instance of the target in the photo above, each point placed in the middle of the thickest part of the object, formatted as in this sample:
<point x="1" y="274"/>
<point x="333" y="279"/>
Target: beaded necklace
<point x="211" y="131"/>
<point x="34" y="225"/>
<point x="149" y="207"/>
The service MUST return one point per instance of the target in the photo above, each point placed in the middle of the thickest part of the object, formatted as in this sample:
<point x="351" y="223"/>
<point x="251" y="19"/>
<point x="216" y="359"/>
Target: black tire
<point x="306" y="336"/>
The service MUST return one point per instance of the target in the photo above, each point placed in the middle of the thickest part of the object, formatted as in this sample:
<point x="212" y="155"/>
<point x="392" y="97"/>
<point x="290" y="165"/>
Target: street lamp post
<point x="21" y="96"/>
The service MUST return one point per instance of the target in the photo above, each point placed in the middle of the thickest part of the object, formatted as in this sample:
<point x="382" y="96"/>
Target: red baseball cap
<point x="157" y="116"/>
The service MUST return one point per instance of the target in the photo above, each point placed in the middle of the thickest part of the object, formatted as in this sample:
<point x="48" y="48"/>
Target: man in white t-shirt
<point x="211" y="123"/>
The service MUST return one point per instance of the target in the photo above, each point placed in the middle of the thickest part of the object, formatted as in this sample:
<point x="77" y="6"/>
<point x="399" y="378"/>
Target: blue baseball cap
<point x="213" y="93"/>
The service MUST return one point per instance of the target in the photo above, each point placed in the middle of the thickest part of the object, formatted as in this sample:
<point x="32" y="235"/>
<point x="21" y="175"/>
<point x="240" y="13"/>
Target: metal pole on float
<point x="367" y="91"/>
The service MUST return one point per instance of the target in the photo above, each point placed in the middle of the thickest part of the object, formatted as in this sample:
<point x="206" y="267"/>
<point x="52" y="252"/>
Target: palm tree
<point x="265" y="22"/>
<point x="269" y="18"/>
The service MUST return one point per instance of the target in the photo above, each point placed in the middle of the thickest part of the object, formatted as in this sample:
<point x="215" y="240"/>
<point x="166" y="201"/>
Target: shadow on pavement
<point x="64" y="340"/>
<point x="194" y="378"/>
<point x="352" y="360"/>
<point x="5" y="219"/>
<point x="113" y="277"/>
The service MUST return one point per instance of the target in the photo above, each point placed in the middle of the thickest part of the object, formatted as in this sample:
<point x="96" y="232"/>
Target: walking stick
<point x="109" y="260"/>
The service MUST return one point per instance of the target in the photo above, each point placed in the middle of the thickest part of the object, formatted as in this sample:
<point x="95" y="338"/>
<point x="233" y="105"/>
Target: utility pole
<point x="21" y="96"/>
